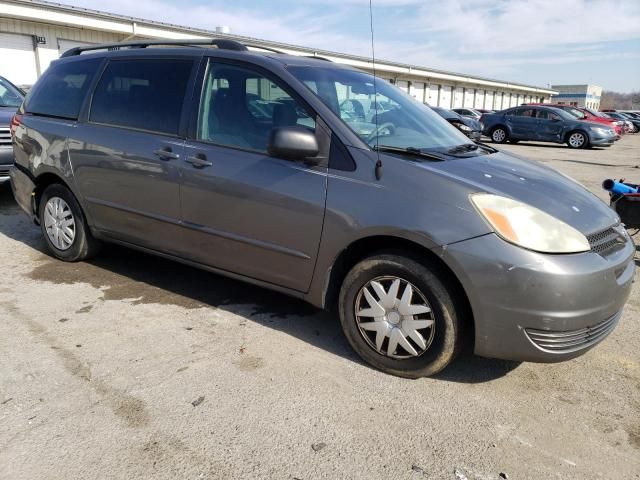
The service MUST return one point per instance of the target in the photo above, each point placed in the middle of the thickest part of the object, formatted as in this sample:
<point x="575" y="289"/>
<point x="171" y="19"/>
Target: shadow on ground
<point x="140" y="278"/>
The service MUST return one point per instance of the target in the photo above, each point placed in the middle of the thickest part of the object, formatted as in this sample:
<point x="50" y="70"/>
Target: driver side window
<point x="239" y="108"/>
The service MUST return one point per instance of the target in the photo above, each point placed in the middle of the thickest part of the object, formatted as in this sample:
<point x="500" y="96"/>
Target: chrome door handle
<point x="199" y="161"/>
<point x="166" y="154"/>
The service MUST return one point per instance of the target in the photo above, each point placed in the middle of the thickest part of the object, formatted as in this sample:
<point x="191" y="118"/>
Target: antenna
<point x="375" y="92"/>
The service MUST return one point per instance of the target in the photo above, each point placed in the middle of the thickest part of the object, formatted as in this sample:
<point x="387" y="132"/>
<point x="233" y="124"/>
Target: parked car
<point x="468" y="112"/>
<point x="10" y="99"/>
<point x="545" y="124"/>
<point x="587" y="115"/>
<point x="630" y="125"/>
<point x="483" y="111"/>
<point x="471" y="127"/>
<point x="419" y="238"/>
<point x="634" y="118"/>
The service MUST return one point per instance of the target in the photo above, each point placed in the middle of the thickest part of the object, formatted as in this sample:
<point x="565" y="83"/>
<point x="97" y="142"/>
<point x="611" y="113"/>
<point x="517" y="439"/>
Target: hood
<point x="6" y="114"/>
<point x="532" y="183"/>
<point x="471" y="122"/>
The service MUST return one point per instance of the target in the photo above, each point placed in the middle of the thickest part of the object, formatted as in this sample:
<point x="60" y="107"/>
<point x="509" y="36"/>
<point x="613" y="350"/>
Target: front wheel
<point x="400" y="316"/>
<point x="577" y="140"/>
<point x="499" y="135"/>
<point x="64" y="226"/>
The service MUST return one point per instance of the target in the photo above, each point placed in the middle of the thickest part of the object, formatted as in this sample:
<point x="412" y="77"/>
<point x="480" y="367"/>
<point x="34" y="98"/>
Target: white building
<point x="33" y="33"/>
<point x="578" y="95"/>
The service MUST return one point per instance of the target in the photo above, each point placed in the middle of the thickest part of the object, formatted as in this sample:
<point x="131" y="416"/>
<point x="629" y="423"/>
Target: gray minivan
<point x="239" y="162"/>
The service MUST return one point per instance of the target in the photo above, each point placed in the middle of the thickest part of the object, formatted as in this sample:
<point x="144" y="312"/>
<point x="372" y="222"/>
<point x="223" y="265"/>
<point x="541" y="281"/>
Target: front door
<point x="243" y="210"/>
<point x="126" y="156"/>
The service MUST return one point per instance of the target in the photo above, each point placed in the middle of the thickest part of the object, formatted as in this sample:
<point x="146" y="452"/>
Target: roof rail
<point x="218" y="42"/>
<point x="317" y="57"/>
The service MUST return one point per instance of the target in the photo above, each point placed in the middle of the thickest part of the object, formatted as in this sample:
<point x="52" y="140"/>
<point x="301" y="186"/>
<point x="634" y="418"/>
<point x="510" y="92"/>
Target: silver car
<point x="239" y="162"/>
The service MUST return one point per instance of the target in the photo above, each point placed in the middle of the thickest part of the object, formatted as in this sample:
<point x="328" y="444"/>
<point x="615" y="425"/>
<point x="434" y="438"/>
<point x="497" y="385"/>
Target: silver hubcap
<point x="59" y="223"/>
<point x="576" y="140"/>
<point x="394" y="318"/>
<point x="499" y="135"/>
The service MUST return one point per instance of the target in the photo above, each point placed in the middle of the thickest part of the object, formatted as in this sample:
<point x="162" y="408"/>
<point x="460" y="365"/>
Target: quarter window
<point x="142" y="94"/>
<point x="62" y="89"/>
<point x="239" y="107"/>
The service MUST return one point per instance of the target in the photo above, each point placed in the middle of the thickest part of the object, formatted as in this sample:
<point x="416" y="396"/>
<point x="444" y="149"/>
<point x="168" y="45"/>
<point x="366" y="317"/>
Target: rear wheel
<point x="64" y="226"/>
<point x="499" y="135"/>
<point x="400" y="316"/>
<point x="577" y="140"/>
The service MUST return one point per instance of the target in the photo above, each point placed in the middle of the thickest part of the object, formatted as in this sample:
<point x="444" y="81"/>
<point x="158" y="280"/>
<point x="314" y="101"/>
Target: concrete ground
<point x="131" y="366"/>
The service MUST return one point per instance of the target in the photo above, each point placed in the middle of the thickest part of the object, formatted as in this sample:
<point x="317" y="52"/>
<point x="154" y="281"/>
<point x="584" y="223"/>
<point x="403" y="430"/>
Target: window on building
<point x="240" y="107"/>
<point x="62" y="89"/>
<point x="142" y="94"/>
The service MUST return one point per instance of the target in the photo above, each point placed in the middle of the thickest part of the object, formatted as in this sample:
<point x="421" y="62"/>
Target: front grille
<point x="604" y="241"/>
<point x="5" y="137"/>
<point x="4" y="171"/>
<point x="572" y="340"/>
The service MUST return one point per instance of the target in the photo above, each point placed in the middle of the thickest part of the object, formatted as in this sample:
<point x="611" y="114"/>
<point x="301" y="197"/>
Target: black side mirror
<point x="292" y="143"/>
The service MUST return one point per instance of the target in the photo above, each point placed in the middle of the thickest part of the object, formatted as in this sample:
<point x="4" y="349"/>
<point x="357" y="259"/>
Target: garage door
<point x="64" y="45"/>
<point x="18" y="59"/>
<point x="488" y="101"/>
<point x="445" y="96"/>
<point x="432" y="97"/>
<point x="417" y="91"/>
<point x="403" y="85"/>
<point x="479" y="102"/>
<point x="458" y="93"/>
<point x="468" y="97"/>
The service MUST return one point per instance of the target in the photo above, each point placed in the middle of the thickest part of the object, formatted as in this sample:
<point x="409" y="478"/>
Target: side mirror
<point x="292" y="143"/>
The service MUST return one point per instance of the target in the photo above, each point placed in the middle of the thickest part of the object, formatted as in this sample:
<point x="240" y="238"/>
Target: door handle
<point x="199" y="161"/>
<point x="166" y="154"/>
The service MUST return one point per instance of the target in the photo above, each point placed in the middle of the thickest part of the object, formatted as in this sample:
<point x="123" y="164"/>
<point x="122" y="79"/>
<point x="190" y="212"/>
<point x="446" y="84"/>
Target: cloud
<point x="483" y="26"/>
<point x="526" y="41"/>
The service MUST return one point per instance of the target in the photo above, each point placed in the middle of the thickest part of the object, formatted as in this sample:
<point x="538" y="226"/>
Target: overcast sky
<point x="537" y="42"/>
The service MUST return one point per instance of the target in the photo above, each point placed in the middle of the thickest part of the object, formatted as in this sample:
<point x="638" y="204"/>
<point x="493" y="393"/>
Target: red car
<point x="586" y="115"/>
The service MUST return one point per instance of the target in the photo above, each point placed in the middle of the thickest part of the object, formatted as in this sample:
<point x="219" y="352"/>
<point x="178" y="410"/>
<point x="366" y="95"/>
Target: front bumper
<point x="535" y="307"/>
<point x="6" y="160"/>
<point x="602" y="141"/>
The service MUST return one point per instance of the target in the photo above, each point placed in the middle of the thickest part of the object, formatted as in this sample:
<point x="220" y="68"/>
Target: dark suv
<point x="546" y="124"/>
<point x="10" y="99"/>
<point x="239" y="162"/>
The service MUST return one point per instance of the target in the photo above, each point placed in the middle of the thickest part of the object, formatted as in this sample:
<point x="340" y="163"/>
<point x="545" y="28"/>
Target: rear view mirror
<point x="292" y="143"/>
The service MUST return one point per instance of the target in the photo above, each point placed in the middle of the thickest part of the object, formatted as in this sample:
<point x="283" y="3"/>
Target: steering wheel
<point x="386" y="125"/>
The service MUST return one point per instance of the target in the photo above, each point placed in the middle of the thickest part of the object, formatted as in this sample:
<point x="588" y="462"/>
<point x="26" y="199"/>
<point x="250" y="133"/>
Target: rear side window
<point x="62" y="89"/>
<point x="142" y="94"/>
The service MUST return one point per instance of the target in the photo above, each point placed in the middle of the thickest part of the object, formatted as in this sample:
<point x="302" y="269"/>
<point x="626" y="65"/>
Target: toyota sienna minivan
<point x="239" y="162"/>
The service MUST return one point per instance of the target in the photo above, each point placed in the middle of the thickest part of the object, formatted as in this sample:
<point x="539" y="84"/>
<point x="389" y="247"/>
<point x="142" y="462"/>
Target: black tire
<point x="497" y="137"/>
<point x="584" y="143"/>
<point x="447" y="338"/>
<point x="84" y="246"/>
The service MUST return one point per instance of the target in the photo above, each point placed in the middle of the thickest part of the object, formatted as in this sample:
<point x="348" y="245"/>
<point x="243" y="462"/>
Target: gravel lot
<point x="131" y="366"/>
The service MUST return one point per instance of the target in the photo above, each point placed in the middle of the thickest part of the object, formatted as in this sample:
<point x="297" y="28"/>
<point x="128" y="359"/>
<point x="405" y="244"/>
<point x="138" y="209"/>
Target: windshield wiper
<point x="416" y="152"/>
<point x="465" y="147"/>
<point x="487" y="148"/>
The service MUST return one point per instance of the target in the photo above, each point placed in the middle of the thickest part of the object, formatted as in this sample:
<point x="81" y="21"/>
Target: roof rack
<point x="217" y="42"/>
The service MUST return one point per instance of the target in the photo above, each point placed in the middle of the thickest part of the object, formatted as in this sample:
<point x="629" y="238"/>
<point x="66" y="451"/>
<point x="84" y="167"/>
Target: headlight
<point x="464" y="128"/>
<point x="528" y="227"/>
<point x="602" y="131"/>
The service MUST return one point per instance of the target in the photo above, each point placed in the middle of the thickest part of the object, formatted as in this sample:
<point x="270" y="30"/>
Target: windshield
<point x="10" y="96"/>
<point x="383" y="115"/>
<point x="576" y="113"/>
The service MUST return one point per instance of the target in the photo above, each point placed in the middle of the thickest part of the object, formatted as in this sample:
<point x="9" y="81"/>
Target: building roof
<point x="56" y="13"/>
